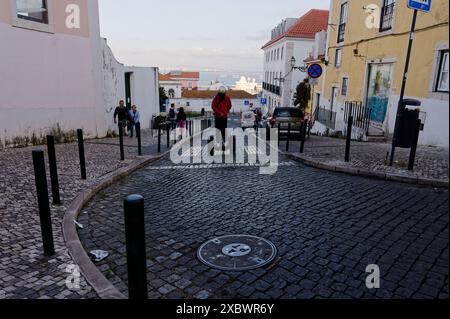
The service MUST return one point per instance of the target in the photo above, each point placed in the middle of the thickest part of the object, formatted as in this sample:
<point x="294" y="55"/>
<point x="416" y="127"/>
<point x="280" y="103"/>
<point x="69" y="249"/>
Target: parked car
<point x="248" y="120"/>
<point x="283" y="116"/>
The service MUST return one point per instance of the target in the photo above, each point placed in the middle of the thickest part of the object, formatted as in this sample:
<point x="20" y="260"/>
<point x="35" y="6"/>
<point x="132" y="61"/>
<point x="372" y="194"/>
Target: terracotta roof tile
<point x="307" y="26"/>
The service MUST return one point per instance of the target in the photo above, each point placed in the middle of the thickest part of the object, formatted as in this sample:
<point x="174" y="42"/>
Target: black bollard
<point x="412" y="155"/>
<point x="303" y="129"/>
<point x="279" y="133"/>
<point x="135" y="245"/>
<point x="53" y="169"/>
<point x="168" y="134"/>
<point x="349" y="139"/>
<point x="44" y="206"/>
<point x="309" y="129"/>
<point x="81" y="152"/>
<point x="211" y="150"/>
<point x="288" y="137"/>
<point x="159" y="138"/>
<point x="122" y="152"/>
<point x="139" y="138"/>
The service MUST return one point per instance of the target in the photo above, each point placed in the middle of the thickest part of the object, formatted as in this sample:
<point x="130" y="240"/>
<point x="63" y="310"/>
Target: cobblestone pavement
<point x="327" y="227"/>
<point x="24" y="271"/>
<point x="431" y="162"/>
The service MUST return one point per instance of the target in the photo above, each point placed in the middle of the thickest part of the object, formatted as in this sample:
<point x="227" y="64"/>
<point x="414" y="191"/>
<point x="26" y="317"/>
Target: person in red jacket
<point x="221" y="106"/>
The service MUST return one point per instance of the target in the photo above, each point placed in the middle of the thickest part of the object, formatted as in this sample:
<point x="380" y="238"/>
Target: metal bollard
<point x="53" y="169"/>
<point x="139" y="138"/>
<point x="412" y="155"/>
<point x="135" y="245"/>
<point x="303" y="129"/>
<point x="349" y="139"/>
<point x="81" y="152"/>
<point x="159" y="138"/>
<point x="168" y="134"/>
<point x="279" y="133"/>
<point x="288" y="137"/>
<point x="211" y="151"/>
<point x="44" y="206"/>
<point x="122" y="152"/>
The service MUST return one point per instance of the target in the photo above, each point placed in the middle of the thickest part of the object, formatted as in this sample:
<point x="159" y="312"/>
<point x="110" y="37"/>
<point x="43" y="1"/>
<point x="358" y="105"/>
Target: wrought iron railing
<point x="387" y="17"/>
<point x="325" y="117"/>
<point x="361" y="114"/>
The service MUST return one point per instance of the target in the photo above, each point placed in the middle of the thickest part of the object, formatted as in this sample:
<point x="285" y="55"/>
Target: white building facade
<point x="294" y="39"/>
<point x="56" y="73"/>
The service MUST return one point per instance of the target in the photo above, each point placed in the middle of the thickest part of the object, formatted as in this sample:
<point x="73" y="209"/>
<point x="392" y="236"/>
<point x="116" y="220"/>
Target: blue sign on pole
<point x="421" y="5"/>
<point x="246" y="103"/>
<point x="315" y="71"/>
<point x="263" y="101"/>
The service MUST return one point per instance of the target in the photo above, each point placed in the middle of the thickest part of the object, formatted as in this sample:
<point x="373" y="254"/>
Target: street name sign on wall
<point x="421" y="5"/>
<point x="263" y="101"/>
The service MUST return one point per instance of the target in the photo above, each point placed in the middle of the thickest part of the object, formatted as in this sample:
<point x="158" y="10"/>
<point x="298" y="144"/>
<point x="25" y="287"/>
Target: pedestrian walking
<point x="221" y="106"/>
<point x="135" y="121"/>
<point x="121" y="117"/>
<point x="172" y="116"/>
<point x="181" y="120"/>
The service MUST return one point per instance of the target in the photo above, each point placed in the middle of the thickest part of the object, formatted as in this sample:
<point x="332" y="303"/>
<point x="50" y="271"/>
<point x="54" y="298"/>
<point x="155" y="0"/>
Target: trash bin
<point x="407" y="124"/>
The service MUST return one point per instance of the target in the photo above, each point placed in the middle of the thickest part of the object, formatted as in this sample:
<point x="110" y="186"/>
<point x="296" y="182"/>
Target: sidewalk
<point x="24" y="271"/>
<point x="371" y="159"/>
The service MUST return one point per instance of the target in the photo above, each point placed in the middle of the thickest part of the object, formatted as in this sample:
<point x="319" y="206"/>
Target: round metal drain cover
<point x="237" y="253"/>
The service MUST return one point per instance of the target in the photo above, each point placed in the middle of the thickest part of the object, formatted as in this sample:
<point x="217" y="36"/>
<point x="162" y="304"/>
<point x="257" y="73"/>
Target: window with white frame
<point x="33" y="10"/>
<point x="282" y="53"/>
<point x="344" y="88"/>
<point x="442" y="79"/>
<point x="338" y="58"/>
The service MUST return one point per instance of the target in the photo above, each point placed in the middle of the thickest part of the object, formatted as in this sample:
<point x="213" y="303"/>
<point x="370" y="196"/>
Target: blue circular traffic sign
<point x="315" y="71"/>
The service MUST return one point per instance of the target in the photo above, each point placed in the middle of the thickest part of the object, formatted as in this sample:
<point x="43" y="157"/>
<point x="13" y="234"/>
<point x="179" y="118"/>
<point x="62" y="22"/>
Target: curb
<point x="92" y="274"/>
<point x="369" y="173"/>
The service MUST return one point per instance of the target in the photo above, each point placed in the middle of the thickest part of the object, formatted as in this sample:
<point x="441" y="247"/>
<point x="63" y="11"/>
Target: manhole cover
<point x="237" y="252"/>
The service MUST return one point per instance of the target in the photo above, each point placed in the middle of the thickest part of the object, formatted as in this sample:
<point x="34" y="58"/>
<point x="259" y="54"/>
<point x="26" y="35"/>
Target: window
<point x="344" y="88"/>
<point x="171" y="93"/>
<point x="338" y="58"/>
<point x="282" y="53"/>
<point x="33" y="10"/>
<point x="342" y="22"/>
<point x="188" y="104"/>
<point x="442" y="81"/>
<point x="278" y="53"/>
<point x="387" y="15"/>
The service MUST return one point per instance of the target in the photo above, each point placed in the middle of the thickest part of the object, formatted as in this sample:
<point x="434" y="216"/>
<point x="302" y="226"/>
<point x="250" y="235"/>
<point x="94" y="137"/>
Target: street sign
<point x="315" y="71"/>
<point x="263" y="101"/>
<point x="313" y="82"/>
<point x="246" y="103"/>
<point x="421" y="5"/>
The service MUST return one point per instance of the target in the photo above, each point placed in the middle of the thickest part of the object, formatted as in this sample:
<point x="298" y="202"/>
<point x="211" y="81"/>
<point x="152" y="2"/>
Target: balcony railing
<point x="275" y="89"/>
<point x="387" y="17"/>
<point x="341" y="33"/>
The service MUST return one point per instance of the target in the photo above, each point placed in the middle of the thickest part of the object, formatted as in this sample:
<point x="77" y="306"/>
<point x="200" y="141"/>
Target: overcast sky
<point x="195" y="35"/>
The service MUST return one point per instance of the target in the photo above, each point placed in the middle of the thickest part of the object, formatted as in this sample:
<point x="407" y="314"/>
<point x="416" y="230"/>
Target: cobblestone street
<point x="328" y="228"/>
<point x="24" y="271"/>
<point x="431" y="162"/>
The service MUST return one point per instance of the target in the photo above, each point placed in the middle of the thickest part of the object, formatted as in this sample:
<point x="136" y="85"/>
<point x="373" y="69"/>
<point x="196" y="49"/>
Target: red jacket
<point x="221" y="107"/>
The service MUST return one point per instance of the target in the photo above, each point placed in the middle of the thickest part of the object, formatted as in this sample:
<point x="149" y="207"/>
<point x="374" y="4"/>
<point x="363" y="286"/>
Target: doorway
<point x="128" y="97"/>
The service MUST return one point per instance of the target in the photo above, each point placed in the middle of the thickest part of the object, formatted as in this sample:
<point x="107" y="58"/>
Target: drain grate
<point x="237" y="253"/>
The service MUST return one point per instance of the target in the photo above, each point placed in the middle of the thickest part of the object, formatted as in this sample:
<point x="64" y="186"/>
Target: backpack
<point x="172" y="114"/>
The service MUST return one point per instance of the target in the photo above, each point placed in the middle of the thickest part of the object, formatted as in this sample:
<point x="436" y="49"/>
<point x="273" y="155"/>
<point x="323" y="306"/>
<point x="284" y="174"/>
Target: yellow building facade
<point x="366" y="52"/>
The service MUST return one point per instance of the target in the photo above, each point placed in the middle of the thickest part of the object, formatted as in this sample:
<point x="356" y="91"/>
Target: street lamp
<point x="303" y="68"/>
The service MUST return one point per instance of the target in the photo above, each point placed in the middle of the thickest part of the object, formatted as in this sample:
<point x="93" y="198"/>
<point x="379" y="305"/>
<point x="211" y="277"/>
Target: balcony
<point x="275" y="89"/>
<point x="387" y="17"/>
<point x="341" y="33"/>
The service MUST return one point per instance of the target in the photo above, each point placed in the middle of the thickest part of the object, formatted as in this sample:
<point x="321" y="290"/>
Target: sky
<point x="222" y="36"/>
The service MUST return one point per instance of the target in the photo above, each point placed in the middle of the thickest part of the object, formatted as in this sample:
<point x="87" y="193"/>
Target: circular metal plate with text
<point x="237" y="253"/>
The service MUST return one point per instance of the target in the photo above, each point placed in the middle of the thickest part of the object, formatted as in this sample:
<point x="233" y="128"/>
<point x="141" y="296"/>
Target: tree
<point x="302" y="95"/>
<point x="162" y="98"/>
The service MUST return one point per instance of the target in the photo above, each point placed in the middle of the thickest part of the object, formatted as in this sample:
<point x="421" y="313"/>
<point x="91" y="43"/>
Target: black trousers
<point x="222" y="125"/>
<point x="138" y="128"/>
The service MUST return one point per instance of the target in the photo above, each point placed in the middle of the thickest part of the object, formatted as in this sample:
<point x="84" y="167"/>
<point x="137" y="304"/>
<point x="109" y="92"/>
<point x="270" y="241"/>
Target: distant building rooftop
<point x="178" y="75"/>
<point x="306" y="27"/>
<point x="210" y="94"/>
